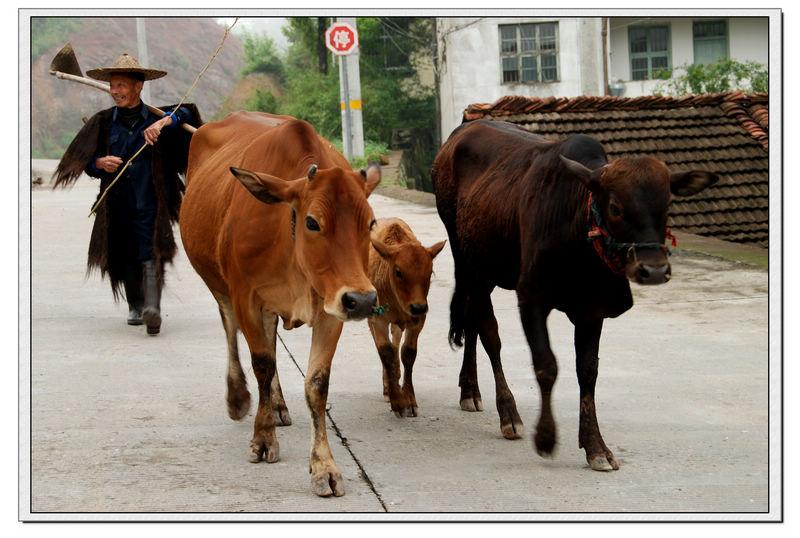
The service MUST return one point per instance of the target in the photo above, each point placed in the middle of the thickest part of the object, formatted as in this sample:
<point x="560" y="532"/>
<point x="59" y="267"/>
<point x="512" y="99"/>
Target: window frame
<point x="518" y="55"/>
<point x="726" y="37"/>
<point x="649" y="54"/>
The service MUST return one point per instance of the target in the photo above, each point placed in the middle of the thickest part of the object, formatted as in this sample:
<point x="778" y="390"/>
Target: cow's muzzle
<point x="649" y="267"/>
<point x="359" y="305"/>
<point x="652" y="274"/>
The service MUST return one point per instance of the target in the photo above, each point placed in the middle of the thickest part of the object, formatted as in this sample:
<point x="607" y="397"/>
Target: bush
<point x="263" y="101"/>
<point x="372" y="152"/>
<point x="724" y="75"/>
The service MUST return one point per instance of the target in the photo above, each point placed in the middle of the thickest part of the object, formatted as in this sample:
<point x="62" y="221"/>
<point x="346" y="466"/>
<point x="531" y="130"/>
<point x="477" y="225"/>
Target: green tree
<point x="724" y="75"/>
<point x="260" y="55"/>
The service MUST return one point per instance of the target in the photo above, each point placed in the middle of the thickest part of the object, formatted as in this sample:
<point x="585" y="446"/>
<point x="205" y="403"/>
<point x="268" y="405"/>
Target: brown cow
<point x="289" y="240"/>
<point x="565" y="229"/>
<point x="400" y="268"/>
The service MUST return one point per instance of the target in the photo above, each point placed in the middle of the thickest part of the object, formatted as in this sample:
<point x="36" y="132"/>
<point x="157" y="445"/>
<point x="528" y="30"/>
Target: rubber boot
<point x="133" y="293"/>
<point x="151" y="315"/>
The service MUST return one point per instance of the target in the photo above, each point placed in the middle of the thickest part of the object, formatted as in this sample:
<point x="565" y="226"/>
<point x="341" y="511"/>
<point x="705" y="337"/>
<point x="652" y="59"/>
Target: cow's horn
<point x="312" y="171"/>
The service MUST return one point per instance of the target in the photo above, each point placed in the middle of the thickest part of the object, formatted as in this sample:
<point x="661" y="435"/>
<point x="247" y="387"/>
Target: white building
<point x="483" y="59"/>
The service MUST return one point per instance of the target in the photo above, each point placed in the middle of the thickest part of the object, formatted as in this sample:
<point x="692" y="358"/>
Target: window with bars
<point x="710" y="41"/>
<point x="649" y="50"/>
<point x="529" y="52"/>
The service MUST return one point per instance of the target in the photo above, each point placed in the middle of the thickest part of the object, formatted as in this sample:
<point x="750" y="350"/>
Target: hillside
<point x="181" y="46"/>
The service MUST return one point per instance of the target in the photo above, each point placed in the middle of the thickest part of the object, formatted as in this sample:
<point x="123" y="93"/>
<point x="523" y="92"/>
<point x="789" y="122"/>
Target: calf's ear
<point x="692" y="182"/>
<point x="433" y="250"/>
<point x="372" y="176"/>
<point x="269" y="189"/>
<point x="589" y="177"/>
<point x="385" y="251"/>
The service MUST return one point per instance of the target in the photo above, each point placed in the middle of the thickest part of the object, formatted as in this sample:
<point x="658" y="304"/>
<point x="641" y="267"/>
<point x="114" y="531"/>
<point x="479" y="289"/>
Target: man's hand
<point x="152" y="132"/>
<point x="109" y="163"/>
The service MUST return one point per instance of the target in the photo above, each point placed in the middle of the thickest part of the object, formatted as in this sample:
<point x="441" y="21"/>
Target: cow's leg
<point x="238" y="397"/>
<point x="468" y="376"/>
<point x="326" y="479"/>
<point x="264" y="444"/>
<point x="387" y="351"/>
<point x="482" y="311"/>
<point x="587" y="345"/>
<point x="534" y="322"/>
<point x="408" y="355"/>
<point x="276" y="394"/>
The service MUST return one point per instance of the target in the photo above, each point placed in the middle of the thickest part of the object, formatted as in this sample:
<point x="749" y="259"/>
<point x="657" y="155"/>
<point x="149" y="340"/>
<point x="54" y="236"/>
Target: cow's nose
<point x="359" y="305"/>
<point x="653" y="274"/>
<point x="418" y="309"/>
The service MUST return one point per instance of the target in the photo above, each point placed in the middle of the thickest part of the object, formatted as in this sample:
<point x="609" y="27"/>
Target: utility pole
<point x="342" y="39"/>
<point x="141" y="38"/>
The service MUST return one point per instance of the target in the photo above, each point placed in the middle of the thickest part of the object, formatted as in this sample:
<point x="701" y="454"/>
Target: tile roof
<point x="725" y="133"/>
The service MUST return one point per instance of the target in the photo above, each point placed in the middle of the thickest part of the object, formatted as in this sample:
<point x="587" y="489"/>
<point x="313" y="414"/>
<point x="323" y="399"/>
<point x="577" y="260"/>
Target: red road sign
<point x="341" y="38"/>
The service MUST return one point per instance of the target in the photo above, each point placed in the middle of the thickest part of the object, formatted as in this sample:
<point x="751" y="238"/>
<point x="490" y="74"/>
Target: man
<point x="132" y="235"/>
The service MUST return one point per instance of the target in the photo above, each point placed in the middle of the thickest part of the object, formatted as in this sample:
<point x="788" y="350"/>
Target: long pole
<point x="347" y="129"/>
<point x="353" y="101"/>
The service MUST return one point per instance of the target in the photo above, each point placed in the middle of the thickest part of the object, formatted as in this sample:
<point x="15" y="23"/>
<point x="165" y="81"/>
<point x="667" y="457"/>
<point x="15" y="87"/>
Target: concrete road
<point x="126" y="426"/>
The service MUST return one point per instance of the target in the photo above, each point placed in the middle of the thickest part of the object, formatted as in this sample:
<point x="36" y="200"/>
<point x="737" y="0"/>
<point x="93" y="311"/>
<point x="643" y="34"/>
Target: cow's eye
<point x="312" y="224"/>
<point x="614" y="210"/>
<point x="398" y="273"/>
<point x="372" y="225"/>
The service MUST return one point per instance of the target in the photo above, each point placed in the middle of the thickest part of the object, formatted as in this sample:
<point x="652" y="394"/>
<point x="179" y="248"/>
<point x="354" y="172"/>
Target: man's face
<point x="125" y="90"/>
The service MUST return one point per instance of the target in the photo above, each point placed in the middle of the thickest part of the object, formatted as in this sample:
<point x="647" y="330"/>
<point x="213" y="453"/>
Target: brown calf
<point x="400" y="269"/>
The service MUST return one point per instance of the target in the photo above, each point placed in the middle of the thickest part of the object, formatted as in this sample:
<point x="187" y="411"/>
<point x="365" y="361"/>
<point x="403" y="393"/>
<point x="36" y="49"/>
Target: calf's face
<point x="410" y="269"/>
<point x="632" y="197"/>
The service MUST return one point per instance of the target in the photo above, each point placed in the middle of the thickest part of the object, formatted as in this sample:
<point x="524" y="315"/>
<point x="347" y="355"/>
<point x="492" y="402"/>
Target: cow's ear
<point x="269" y="189"/>
<point x="692" y="182"/>
<point x="433" y="250"/>
<point x="372" y="176"/>
<point x="386" y="252"/>
<point x="589" y="177"/>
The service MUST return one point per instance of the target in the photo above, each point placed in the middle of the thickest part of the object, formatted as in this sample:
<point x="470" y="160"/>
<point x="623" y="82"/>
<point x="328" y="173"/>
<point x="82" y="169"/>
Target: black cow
<point x="567" y="230"/>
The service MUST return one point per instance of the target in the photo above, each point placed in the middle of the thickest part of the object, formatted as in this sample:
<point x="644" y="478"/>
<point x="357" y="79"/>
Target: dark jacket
<point x="107" y="250"/>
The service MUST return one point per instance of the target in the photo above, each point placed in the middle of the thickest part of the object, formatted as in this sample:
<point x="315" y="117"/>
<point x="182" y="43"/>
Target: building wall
<point x="470" y="68"/>
<point x="749" y="40"/>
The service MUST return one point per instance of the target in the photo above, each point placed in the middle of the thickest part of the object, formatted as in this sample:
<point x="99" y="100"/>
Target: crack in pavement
<point x="362" y="471"/>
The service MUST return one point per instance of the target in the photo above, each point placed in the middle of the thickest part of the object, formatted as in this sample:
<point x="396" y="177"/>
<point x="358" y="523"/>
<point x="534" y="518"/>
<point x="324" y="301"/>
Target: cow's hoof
<point x="514" y="430"/>
<point x="239" y="405"/>
<point x="471" y="404"/>
<point x="259" y="451"/>
<point x="604" y="463"/>
<point x="282" y="417"/>
<point x="600" y="463"/>
<point x="326" y="484"/>
<point x="152" y="318"/>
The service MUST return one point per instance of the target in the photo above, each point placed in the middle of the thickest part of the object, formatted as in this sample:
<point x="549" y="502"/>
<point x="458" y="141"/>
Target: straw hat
<point x="124" y="64"/>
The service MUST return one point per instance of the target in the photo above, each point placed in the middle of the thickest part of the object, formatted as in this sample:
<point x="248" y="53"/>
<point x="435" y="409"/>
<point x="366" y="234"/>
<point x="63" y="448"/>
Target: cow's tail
<point x="458" y="305"/>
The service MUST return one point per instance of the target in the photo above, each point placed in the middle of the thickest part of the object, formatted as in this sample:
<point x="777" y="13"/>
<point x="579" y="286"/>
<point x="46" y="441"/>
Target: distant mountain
<point x="181" y="46"/>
